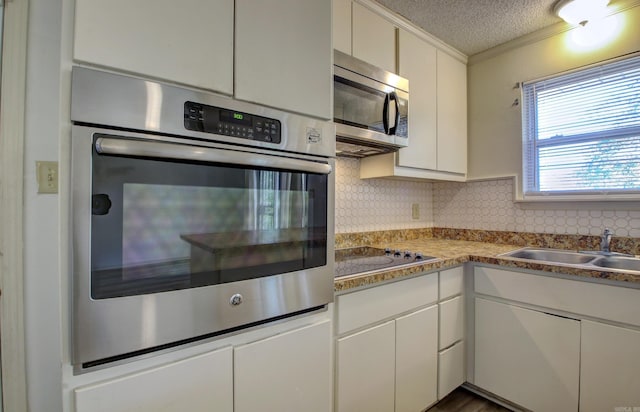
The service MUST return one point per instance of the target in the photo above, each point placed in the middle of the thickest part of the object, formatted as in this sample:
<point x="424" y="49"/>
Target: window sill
<point x="603" y="202"/>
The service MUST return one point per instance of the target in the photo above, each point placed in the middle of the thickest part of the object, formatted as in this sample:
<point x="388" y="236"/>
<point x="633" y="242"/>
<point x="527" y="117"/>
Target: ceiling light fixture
<point x="580" y="12"/>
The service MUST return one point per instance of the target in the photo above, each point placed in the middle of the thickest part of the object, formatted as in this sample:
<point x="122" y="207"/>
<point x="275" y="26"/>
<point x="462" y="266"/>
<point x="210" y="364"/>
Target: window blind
<point x="581" y="131"/>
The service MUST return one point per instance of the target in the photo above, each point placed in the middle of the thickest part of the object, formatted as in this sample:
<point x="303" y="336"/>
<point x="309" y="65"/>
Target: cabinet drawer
<point x="451" y="371"/>
<point x="451" y="282"/>
<point x="601" y="301"/>
<point x="451" y="322"/>
<point x="368" y="306"/>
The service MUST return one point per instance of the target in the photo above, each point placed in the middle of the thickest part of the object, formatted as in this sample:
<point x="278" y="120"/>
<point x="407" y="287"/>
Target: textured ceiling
<point x="473" y="26"/>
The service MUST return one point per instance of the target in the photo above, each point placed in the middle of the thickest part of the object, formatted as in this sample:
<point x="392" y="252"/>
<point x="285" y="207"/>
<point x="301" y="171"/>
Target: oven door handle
<point x="157" y="150"/>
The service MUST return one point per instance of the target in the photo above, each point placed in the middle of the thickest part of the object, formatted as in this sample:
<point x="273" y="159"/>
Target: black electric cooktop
<point x="365" y="259"/>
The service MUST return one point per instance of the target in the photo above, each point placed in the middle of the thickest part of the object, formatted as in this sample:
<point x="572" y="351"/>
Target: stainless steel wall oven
<point x="193" y="215"/>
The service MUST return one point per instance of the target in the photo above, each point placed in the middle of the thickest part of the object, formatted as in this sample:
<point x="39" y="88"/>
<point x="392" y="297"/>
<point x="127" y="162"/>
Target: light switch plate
<point x="47" y="176"/>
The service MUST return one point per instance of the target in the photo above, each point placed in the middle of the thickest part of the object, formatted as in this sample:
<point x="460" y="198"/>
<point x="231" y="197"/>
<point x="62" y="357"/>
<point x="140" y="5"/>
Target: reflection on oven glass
<point x="166" y="227"/>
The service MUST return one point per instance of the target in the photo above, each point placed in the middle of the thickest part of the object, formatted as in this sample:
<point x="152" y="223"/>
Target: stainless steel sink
<point x="618" y="262"/>
<point x="593" y="260"/>
<point x="551" y="255"/>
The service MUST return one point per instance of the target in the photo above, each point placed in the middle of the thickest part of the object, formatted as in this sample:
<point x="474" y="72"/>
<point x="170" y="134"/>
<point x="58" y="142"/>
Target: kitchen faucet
<point x="605" y="243"/>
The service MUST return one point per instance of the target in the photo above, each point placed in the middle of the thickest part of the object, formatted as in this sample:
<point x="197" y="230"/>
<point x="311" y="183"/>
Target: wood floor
<point x="461" y="400"/>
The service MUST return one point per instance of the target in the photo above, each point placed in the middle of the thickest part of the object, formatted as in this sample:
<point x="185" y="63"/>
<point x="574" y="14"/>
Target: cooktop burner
<point x="367" y="259"/>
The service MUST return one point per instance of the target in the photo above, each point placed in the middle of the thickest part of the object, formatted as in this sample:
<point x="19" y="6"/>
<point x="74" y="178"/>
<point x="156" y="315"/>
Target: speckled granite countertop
<point x="455" y="252"/>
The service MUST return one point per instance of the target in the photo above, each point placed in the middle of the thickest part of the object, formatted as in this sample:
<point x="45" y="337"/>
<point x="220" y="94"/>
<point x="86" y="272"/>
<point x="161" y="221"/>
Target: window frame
<point x="530" y="180"/>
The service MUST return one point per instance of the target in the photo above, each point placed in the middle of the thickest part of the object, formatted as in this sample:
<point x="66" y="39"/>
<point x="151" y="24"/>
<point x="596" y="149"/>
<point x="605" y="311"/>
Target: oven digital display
<point x="235" y="117"/>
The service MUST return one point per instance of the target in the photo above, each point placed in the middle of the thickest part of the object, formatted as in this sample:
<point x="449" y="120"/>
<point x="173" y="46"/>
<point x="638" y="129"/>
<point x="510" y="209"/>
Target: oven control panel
<point x="217" y="120"/>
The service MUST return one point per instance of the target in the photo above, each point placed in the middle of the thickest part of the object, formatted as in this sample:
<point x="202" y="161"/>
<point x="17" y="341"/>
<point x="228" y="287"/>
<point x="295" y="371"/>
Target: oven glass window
<point x="161" y="225"/>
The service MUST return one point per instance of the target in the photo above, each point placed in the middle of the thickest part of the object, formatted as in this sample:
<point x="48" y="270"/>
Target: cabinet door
<point x="452" y="114"/>
<point x="416" y="360"/>
<point x="373" y="38"/>
<point x="366" y="370"/>
<point x="202" y="383"/>
<point x="417" y="62"/>
<point x="190" y="43"/>
<point x="284" y="55"/>
<point x="286" y="372"/>
<point x="451" y="321"/>
<point x="610" y="361"/>
<point x="342" y="25"/>
<point x="527" y="357"/>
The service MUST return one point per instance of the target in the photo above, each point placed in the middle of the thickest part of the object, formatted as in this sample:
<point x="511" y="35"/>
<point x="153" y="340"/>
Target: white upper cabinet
<point x="452" y="114"/>
<point x="437" y="116"/>
<point x="417" y="63"/>
<point x="283" y="55"/>
<point x="342" y="25"/>
<point x="373" y="38"/>
<point x="190" y="42"/>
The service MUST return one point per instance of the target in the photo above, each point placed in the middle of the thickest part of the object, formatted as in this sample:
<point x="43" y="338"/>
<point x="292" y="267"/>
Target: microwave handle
<point x="385" y="114"/>
<point x="159" y="150"/>
<point x="394" y="97"/>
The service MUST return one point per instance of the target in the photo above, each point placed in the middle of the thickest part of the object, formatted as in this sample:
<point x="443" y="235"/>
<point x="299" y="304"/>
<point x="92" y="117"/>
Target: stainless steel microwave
<point x="370" y="108"/>
<point x="194" y="215"/>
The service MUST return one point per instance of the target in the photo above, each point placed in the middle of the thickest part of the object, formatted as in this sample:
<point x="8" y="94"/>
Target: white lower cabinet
<point x="609" y="368"/>
<point x="289" y="371"/>
<point x="366" y="370"/>
<point x="539" y="360"/>
<point x="390" y="367"/>
<point x="528" y="357"/>
<point x="451" y="322"/>
<point x="451" y="356"/>
<point x="451" y="370"/>
<point x="201" y="383"/>
<point x="286" y="372"/>
<point x="416" y="364"/>
<point x="387" y="356"/>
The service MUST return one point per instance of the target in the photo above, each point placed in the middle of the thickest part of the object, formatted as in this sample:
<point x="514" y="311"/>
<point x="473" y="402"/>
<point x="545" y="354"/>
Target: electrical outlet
<point x="47" y="177"/>
<point x="415" y="211"/>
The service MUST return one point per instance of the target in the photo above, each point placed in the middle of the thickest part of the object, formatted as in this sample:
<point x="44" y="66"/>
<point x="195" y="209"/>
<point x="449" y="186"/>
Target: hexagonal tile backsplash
<point x="364" y="205"/>
<point x="380" y="204"/>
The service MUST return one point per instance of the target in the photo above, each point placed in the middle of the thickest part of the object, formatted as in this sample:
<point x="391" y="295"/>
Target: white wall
<point x="494" y="125"/>
<point x="42" y="227"/>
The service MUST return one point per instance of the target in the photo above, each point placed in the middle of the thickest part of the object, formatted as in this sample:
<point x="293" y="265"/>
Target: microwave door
<point x="391" y="112"/>
<point x="361" y="108"/>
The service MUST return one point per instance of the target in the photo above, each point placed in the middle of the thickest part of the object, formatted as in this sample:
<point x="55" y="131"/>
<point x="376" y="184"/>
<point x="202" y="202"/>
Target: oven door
<point x="176" y="241"/>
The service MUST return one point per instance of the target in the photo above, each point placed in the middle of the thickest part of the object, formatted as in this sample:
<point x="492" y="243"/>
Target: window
<point x="581" y="132"/>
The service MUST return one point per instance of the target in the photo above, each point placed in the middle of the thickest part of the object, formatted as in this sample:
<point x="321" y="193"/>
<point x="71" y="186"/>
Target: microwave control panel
<point x="209" y="119"/>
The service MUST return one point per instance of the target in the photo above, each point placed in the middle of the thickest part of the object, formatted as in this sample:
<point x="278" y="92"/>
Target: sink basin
<point x="618" y="262"/>
<point x="551" y="255"/>
<point x="585" y="259"/>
